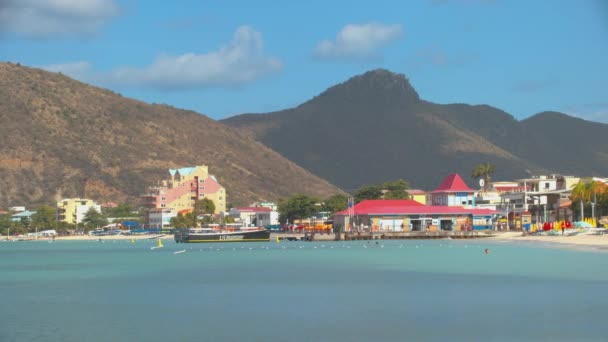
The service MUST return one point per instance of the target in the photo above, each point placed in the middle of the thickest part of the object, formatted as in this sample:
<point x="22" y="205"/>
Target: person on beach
<point x="487" y="251"/>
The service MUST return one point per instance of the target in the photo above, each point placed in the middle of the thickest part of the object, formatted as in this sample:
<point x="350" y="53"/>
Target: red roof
<point x="453" y="183"/>
<point x="254" y="209"/>
<point x="374" y="205"/>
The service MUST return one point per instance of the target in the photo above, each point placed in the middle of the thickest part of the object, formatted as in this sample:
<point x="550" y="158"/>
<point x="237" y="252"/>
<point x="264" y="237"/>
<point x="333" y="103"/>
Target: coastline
<point x="593" y="241"/>
<point x="103" y="237"/>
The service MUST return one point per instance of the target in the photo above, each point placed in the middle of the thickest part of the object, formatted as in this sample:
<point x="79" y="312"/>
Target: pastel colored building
<point x="181" y="188"/>
<point x="410" y="216"/>
<point x="418" y="195"/>
<point x="73" y="210"/>
<point x="453" y="191"/>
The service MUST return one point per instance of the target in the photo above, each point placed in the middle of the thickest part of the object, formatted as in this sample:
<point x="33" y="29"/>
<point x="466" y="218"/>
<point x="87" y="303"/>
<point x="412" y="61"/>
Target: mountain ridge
<point x="64" y="138"/>
<point x="397" y="129"/>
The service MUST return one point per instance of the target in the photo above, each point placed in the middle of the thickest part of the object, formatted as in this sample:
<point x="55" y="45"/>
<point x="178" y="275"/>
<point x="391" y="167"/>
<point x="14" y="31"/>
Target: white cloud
<point x="358" y="41"/>
<point x="52" y="18"/>
<point x="241" y="61"/>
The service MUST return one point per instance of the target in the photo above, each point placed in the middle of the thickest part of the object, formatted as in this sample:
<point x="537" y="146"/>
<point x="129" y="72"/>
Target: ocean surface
<point x="447" y="290"/>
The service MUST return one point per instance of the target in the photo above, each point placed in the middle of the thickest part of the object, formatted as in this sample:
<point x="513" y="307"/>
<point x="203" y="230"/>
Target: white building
<point x="255" y="216"/>
<point x="160" y="218"/>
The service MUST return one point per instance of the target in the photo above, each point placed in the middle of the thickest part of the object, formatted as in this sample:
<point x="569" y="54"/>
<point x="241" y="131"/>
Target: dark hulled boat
<point x="211" y="235"/>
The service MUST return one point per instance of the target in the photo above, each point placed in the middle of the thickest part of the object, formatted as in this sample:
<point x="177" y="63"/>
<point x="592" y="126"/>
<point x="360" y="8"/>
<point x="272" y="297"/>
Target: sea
<point x="416" y="290"/>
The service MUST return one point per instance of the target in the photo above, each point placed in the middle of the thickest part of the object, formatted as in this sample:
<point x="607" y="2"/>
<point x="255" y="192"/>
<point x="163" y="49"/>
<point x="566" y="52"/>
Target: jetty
<point x="348" y="236"/>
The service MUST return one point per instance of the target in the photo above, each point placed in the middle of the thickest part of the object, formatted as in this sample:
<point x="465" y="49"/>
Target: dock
<point x="349" y="236"/>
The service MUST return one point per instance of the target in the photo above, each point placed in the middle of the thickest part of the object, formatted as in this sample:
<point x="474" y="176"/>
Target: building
<point x="453" y="191"/>
<point x="418" y="195"/>
<point x="181" y="188"/>
<point x="546" y="197"/>
<point x="23" y="215"/>
<point x="409" y="215"/>
<point x="160" y="218"/>
<point x="255" y="216"/>
<point x="73" y="210"/>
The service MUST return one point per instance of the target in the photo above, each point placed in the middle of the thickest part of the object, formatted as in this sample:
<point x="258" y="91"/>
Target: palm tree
<point x="483" y="171"/>
<point x="595" y="187"/>
<point x="581" y="192"/>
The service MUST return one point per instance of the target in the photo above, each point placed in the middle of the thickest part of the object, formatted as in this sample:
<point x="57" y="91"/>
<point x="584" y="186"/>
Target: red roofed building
<point x="409" y="215"/>
<point x="453" y="191"/>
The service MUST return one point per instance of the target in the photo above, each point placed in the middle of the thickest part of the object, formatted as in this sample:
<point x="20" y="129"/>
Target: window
<point x="162" y="205"/>
<point x="546" y="185"/>
<point x="163" y="199"/>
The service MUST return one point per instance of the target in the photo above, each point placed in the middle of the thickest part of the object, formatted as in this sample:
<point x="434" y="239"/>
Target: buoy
<point x="132" y="240"/>
<point x="278" y="240"/>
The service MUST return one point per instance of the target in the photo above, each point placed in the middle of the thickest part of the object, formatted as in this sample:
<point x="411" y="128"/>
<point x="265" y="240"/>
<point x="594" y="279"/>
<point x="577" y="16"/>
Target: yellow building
<point x="418" y="195"/>
<point x="73" y="210"/>
<point x="182" y="187"/>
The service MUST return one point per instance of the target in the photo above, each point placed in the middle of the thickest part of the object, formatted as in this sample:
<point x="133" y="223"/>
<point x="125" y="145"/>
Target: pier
<point x="314" y="236"/>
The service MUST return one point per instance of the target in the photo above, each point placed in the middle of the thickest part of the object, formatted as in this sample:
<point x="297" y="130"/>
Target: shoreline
<point x="578" y="241"/>
<point x="96" y="238"/>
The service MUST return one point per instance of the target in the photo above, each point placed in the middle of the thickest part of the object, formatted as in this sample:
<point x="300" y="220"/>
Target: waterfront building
<point x="23" y="215"/>
<point x="160" y="218"/>
<point x="453" y="191"/>
<point x="545" y="197"/>
<point x="255" y="216"/>
<point x="179" y="191"/>
<point x="409" y="215"/>
<point x="73" y="210"/>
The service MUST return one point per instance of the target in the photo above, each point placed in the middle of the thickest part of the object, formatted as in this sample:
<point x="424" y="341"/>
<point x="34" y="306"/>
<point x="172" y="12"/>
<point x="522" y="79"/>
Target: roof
<point x="507" y="188"/>
<point x="184" y="171"/>
<point x="419" y="210"/>
<point x="382" y="205"/>
<point x="211" y="185"/>
<point x="453" y="183"/>
<point x="254" y="209"/>
<point x="416" y="192"/>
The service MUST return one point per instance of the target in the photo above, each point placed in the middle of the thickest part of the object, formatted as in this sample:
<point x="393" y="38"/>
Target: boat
<point x="213" y="235"/>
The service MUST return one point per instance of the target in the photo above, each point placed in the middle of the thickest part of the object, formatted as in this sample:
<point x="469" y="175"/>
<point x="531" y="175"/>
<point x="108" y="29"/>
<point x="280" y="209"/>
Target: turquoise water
<point x="299" y="291"/>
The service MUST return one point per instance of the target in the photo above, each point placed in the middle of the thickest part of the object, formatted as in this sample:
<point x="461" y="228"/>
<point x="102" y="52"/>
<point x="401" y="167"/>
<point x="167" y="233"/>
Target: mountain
<point x="63" y="138"/>
<point x="375" y="127"/>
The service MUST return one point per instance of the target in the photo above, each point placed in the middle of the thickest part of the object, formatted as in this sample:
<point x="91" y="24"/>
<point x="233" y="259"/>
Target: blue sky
<point x="222" y="58"/>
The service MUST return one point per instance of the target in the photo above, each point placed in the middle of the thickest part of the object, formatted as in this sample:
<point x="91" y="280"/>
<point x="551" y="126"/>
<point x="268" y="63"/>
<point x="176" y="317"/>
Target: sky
<point x="223" y="58"/>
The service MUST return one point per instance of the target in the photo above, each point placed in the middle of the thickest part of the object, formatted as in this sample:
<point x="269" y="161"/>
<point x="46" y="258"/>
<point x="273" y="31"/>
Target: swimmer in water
<point x="487" y="251"/>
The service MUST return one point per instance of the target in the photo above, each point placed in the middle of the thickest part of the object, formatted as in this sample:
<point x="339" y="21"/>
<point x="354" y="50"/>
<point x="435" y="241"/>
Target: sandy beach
<point x="104" y="237"/>
<point x="578" y="240"/>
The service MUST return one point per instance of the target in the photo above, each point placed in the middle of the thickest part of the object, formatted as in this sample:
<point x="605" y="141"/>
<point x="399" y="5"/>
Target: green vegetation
<point x="94" y="219"/>
<point x="298" y="206"/>
<point x="483" y="171"/>
<point x="590" y="198"/>
<point x="388" y="190"/>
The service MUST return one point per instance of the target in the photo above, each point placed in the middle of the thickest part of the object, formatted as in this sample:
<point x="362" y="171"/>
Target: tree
<point x="184" y="221"/>
<point x="122" y="210"/>
<point x="483" y="171"/>
<point x="298" y="206"/>
<point x="44" y="217"/>
<point x="369" y="192"/>
<point x="94" y="218"/>
<point x="204" y="206"/>
<point x="396" y="189"/>
<point x="335" y="203"/>
<point x="581" y="193"/>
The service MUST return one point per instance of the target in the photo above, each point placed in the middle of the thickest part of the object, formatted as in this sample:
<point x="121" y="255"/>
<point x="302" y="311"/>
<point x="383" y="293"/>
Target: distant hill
<point x="374" y="127"/>
<point x="63" y="138"/>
